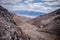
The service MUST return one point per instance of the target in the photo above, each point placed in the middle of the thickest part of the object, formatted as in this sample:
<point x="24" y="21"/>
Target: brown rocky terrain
<point x="14" y="27"/>
<point x="43" y="19"/>
<point x="8" y="28"/>
<point x="20" y="19"/>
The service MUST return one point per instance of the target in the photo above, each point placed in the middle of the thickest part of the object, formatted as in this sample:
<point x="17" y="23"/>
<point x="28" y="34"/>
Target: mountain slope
<point x="49" y="23"/>
<point x="20" y="19"/>
<point x="8" y="28"/>
<point x="40" y="19"/>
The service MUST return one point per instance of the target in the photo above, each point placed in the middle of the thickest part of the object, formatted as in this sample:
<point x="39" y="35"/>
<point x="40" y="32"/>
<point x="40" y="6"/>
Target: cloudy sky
<point x="30" y="8"/>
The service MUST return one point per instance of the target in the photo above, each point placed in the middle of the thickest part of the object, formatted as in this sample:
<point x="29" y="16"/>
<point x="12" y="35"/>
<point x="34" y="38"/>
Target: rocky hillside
<point x="20" y="20"/>
<point x="49" y="23"/>
<point x="43" y="19"/>
<point x="8" y="28"/>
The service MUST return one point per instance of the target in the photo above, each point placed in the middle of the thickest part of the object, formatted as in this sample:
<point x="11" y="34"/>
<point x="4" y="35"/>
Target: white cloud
<point x="10" y="1"/>
<point x="56" y="2"/>
<point x="37" y="7"/>
<point x="30" y="0"/>
<point x="48" y="0"/>
<point x="52" y="3"/>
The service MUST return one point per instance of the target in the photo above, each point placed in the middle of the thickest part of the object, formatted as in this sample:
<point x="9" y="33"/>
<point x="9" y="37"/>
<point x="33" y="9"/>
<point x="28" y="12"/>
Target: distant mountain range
<point x="43" y="27"/>
<point x="29" y="13"/>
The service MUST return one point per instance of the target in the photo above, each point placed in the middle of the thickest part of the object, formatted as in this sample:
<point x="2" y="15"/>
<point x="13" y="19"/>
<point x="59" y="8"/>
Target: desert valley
<point x="44" y="27"/>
